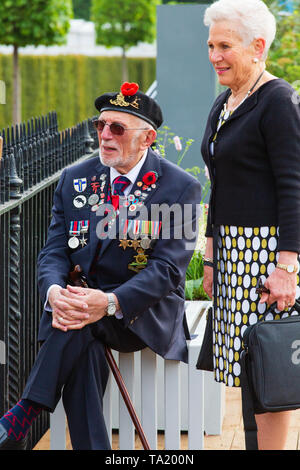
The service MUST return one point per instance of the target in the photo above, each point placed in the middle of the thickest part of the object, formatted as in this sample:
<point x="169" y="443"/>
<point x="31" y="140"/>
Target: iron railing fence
<point x="34" y="155"/>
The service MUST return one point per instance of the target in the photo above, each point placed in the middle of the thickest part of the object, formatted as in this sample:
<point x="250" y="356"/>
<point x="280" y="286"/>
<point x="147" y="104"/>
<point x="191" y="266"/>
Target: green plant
<point x="194" y="275"/>
<point x="194" y="278"/>
<point x="166" y="138"/>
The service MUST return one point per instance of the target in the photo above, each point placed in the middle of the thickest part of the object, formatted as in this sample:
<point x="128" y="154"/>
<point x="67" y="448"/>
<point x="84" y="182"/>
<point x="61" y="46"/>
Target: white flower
<point x="206" y="172"/>
<point x="177" y="143"/>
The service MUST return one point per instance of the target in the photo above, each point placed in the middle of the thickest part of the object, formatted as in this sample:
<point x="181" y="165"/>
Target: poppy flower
<point x="149" y="178"/>
<point x="129" y="89"/>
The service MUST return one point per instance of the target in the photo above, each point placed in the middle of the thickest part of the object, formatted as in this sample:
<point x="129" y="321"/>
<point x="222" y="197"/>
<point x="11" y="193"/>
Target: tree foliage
<point x="34" y="22"/>
<point x="284" y="55"/>
<point x="31" y="22"/>
<point x="124" y="24"/>
<point x="82" y="9"/>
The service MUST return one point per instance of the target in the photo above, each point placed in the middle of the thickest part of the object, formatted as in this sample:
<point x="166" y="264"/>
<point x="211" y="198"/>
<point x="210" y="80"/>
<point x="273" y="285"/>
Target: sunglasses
<point x="115" y="128"/>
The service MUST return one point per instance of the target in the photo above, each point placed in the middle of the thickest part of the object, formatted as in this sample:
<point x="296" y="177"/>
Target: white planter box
<point x="194" y="312"/>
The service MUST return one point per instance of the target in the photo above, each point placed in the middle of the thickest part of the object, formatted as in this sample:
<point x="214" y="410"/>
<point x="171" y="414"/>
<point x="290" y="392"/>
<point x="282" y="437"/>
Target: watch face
<point x="290" y="268"/>
<point x="111" y="309"/>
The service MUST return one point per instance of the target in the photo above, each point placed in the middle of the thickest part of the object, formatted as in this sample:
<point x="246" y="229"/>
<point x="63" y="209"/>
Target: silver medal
<point x="73" y="242"/>
<point x="93" y="199"/>
<point x="145" y="243"/>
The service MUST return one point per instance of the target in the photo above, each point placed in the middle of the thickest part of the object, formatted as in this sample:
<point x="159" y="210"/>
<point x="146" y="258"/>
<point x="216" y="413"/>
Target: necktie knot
<point x="120" y="184"/>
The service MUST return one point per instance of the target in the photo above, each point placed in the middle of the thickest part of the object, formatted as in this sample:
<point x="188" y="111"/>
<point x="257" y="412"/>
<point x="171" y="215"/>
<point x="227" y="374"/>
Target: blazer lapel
<point x="152" y="164"/>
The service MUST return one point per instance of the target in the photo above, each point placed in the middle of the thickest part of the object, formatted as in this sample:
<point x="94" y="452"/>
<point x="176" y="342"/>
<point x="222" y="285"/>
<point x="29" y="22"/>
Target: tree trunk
<point x="16" y="88"/>
<point x="124" y="66"/>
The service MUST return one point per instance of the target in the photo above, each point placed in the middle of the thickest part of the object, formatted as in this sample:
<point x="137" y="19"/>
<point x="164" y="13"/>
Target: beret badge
<point x="127" y="89"/>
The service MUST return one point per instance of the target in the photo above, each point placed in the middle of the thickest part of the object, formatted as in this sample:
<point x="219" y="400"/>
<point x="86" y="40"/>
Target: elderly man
<point x="135" y="274"/>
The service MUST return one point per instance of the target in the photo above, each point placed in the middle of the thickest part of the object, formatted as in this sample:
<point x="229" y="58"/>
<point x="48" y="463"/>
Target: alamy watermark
<point x="173" y="222"/>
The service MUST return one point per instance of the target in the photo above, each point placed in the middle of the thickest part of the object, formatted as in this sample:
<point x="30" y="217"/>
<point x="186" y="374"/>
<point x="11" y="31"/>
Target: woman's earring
<point x="255" y="60"/>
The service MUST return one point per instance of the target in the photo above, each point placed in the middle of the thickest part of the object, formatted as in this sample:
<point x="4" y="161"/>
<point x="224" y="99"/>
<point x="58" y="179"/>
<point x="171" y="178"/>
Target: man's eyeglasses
<point x="115" y="128"/>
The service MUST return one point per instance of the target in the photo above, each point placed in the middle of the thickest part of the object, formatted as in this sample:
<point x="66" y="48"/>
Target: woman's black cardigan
<point x="255" y="170"/>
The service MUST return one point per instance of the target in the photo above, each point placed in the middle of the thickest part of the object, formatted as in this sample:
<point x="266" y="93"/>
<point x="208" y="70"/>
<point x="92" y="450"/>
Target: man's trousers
<point x="73" y="365"/>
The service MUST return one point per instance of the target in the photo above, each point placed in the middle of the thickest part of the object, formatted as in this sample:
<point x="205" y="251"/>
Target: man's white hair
<point x="253" y="18"/>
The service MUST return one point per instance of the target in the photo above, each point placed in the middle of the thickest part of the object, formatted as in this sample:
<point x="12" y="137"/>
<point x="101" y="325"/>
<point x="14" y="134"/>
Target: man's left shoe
<point x="9" y="444"/>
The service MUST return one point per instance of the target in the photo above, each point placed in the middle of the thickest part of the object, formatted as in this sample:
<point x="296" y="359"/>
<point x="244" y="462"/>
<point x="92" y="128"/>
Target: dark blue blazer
<point x="152" y="301"/>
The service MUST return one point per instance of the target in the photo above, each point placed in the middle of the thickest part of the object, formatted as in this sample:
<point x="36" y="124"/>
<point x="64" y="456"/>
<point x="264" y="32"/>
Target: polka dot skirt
<point x="244" y="255"/>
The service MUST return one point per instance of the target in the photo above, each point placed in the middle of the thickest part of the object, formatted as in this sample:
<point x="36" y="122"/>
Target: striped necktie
<point x="120" y="184"/>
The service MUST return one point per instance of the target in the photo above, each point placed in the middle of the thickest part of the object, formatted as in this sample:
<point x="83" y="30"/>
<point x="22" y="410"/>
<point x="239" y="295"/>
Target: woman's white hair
<point x="253" y="16"/>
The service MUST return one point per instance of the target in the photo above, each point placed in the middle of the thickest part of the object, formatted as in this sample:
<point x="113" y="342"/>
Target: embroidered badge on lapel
<point x="79" y="184"/>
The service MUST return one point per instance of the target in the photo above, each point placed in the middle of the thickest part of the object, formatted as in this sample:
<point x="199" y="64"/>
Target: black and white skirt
<point x="243" y="255"/>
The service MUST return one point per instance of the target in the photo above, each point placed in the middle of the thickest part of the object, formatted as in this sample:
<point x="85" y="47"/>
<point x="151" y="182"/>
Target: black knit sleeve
<point x="280" y="126"/>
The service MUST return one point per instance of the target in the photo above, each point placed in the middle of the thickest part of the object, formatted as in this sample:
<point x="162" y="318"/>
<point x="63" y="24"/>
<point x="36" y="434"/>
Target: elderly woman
<point x="251" y="147"/>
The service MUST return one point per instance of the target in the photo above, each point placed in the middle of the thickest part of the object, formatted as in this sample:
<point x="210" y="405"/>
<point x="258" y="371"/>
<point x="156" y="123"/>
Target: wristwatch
<point x="290" y="268"/>
<point x="111" y="307"/>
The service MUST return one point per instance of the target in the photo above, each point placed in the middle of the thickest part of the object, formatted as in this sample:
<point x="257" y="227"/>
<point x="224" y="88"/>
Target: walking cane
<point x="79" y="280"/>
<point x="123" y="390"/>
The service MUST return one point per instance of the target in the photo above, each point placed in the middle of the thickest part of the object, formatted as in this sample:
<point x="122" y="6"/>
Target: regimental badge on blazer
<point x="80" y="184"/>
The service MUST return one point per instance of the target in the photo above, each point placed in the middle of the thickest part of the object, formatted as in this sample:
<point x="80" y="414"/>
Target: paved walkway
<point x="232" y="437"/>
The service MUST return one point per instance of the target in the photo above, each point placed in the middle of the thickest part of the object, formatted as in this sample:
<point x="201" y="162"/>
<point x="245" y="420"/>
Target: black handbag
<point x="270" y="369"/>
<point x="205" y="358"/>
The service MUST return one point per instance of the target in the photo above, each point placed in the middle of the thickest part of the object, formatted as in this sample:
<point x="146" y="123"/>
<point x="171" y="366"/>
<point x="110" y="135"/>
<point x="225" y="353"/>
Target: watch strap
<point x="290" y="268"/>
<point x="111" y="302"/>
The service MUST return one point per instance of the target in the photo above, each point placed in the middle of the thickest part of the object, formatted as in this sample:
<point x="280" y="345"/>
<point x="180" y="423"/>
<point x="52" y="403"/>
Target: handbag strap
<point x="250" y="426"/>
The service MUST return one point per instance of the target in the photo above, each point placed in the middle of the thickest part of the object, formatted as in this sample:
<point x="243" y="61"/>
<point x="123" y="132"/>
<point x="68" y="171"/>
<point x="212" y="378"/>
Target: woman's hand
<point x="282" y="286"/>
<point x="208" y="281"/>
<point x="208" y="271"/>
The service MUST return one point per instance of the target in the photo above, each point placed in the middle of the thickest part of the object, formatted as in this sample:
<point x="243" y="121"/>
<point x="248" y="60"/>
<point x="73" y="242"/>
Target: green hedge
<point x="68" y="84"/>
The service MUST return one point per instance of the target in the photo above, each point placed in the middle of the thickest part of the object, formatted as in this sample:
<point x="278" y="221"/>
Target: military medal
<point x="73" y="242"/>
<point x="145" y="243"/>
<point x="84" y="227"/>
<point x="78" y="227"/>
<point x="74" y="232"/>
<point x="124" y="244"/>
<point x="93" y="199"/>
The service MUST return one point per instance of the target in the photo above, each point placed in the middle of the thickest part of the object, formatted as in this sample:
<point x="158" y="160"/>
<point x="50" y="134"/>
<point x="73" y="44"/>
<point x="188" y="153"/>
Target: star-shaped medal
<point x="124" y="244"/>
<point x="83" y="241"/>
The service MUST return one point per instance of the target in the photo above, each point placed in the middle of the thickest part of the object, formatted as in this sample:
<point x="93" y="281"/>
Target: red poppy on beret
<point x="129" y="89"/>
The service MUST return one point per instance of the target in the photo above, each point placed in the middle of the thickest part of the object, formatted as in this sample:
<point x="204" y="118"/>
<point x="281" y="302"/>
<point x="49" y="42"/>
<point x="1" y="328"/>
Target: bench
<point x="168" y="395"/>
